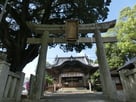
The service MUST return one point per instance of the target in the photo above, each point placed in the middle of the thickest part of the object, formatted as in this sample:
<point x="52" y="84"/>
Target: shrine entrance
<point x="72" y="80"/>
<point x="70" y="31"/>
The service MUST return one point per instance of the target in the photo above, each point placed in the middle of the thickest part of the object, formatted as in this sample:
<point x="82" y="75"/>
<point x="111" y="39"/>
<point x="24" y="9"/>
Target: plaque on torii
<point x="71" y="30"/>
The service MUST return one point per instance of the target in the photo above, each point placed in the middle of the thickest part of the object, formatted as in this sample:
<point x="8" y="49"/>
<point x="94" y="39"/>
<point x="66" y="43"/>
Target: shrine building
<point x="72" y="71"/>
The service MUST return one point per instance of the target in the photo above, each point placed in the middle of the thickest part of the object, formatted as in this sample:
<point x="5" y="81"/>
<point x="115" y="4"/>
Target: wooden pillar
<point x="84" y="81"/>
<point x="40" y="72"/>
<point x="106" y="81"/>
<point x="60" y="78"/>
<point x="90" y="86"/>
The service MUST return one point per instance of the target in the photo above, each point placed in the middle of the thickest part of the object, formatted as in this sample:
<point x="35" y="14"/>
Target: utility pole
<point x="3" y="10"/>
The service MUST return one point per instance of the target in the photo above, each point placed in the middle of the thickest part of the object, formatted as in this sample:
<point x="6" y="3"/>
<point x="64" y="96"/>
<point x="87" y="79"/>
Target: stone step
<point x="84" y="97"/>
<point x="80" y="89"/>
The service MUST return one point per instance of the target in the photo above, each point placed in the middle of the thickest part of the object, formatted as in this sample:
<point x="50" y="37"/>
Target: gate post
<point x="4" y="70"/>
<point x="19" y="87"/>
<point x="40" y="71"/>
<point x="107" y="85"/>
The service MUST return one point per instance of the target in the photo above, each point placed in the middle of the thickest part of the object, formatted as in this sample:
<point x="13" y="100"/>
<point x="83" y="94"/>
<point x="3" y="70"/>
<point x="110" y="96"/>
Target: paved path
<point x="86" y="97"/>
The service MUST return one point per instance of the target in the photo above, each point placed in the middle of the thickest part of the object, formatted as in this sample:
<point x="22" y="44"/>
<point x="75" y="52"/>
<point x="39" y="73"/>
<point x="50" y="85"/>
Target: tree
<point x="125" y="30"/>
<point x="14" y="31"/>
<point x="49" y="79"/>
<point x="114" y="56"/>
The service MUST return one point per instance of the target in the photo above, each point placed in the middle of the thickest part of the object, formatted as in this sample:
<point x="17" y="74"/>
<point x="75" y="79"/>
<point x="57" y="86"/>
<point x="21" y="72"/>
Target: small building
<point x="128" y="78"/>
<point x="72" y="71"/>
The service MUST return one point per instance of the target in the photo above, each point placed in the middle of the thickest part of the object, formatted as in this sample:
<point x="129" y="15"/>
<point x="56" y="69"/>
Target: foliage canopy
<point x="125" y="30"/>
<point x="14" y="31"/>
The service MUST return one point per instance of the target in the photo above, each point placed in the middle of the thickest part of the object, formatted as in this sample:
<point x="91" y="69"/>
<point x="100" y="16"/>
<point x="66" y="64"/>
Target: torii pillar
<point x="107" y="84"/>
<point x="38" y="86"/>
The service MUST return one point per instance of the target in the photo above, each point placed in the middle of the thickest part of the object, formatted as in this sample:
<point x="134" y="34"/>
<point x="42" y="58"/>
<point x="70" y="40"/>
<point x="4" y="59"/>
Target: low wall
<point x="128" y="78"/>
<point x="10" y="84"/>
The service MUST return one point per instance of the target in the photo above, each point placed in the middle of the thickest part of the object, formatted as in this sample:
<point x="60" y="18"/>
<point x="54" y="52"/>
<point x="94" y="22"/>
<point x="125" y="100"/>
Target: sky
<point x="115" y="8"/>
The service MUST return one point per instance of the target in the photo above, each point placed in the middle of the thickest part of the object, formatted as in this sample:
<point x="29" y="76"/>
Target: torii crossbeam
<point x="82" y="28"/>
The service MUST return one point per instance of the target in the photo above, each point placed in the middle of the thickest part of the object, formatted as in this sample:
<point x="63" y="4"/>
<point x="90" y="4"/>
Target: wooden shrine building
<point x="72" y="71"/>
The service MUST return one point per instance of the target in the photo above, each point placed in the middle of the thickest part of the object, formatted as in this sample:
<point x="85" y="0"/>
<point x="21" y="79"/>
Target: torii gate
<point x="71" y="29"/>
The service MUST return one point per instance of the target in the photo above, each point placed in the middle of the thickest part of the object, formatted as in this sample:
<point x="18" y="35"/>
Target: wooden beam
<point x="60" y="29"/>
<point x="92" y="40"/>
<point x="90" y="28"/>
<point x="33" y="40"/>
<point x="40" y="28"/>
<point x="80" y="40"/>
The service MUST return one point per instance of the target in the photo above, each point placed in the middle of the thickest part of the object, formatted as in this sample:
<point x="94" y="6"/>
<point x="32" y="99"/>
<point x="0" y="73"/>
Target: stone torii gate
<point x="71" y="30"/>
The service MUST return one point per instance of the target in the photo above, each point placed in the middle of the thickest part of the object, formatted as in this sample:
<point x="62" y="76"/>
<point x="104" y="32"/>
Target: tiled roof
<point x="72" y="61"/>
<point x="129" y="64"/>
<point x="60" y="60"/>
<point x="73" y="64"/>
